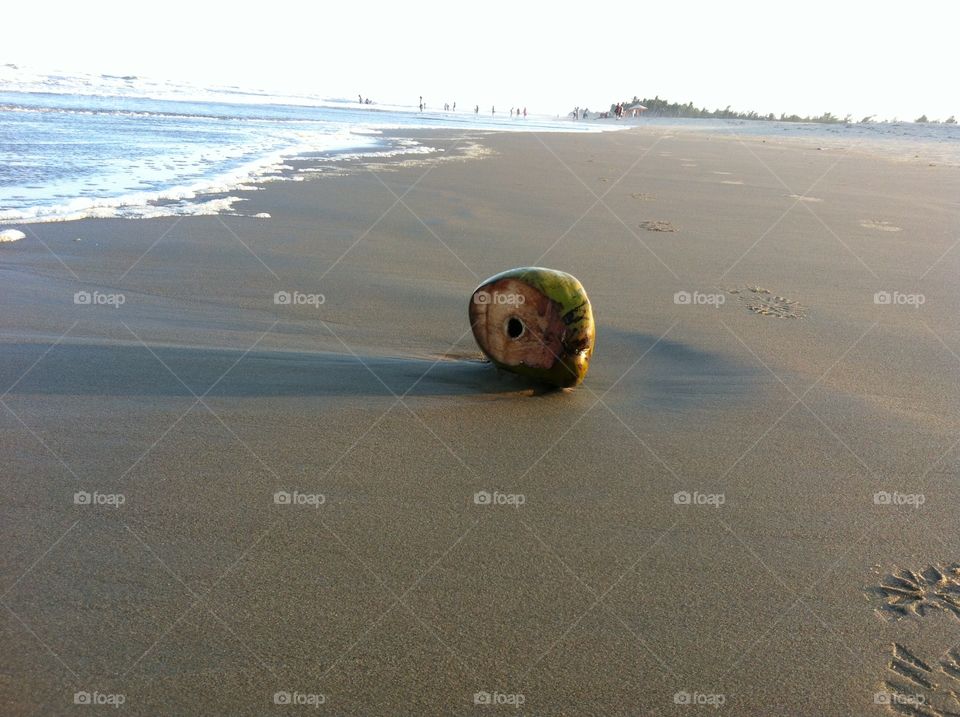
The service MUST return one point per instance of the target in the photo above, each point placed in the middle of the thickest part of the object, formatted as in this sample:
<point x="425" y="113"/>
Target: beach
<point x="258" y="465"/>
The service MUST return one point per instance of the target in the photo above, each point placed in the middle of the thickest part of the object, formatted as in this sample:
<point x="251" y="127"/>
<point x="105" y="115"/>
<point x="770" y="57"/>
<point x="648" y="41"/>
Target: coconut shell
<point x="535" y="322"/>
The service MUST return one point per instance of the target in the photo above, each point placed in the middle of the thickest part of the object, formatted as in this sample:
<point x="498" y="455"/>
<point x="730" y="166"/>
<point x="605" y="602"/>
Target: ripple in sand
<point x="658" y="226"/>
<point x="731" y="181"/>
<point x="880" y="225"/>
<point x="803" y="198"/>
<point x="765" y="303"/>
<point x="722" y="172"/>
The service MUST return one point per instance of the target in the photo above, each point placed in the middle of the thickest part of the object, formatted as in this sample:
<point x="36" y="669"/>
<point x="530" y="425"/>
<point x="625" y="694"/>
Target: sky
<point x="806" y="57"/>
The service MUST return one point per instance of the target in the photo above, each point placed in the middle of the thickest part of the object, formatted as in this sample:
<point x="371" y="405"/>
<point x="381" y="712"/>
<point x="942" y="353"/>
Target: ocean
<point x="76" y="146"/>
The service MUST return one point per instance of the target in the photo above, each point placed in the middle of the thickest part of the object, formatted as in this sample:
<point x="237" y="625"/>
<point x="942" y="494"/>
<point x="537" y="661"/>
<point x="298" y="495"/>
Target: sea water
<point x="75" y="146"/>
<point x="82" y="145"/>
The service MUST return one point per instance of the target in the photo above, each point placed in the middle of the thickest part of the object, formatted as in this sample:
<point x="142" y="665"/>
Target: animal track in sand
<point x="642" y="196"/>
<point x="803" y="198"/>
<point x="920" y="687"/>
<point x="906" y="593"/>
<point x="658" y="226"/>
<point x="765" y="303"/>
<point x="879" y="225"/>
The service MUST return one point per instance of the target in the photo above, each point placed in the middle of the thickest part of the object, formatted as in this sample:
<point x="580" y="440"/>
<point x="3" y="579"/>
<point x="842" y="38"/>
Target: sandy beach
<point x="218" y="500"/>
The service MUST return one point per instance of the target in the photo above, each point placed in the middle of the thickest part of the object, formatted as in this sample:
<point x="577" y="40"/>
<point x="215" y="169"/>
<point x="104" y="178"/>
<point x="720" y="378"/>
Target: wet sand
<point x="700" y="521"/>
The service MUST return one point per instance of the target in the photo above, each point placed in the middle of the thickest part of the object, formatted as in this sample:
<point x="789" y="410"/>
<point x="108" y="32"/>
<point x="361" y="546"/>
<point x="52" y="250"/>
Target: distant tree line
<point x="923" y="120"/>
<point x="657" y="107"/>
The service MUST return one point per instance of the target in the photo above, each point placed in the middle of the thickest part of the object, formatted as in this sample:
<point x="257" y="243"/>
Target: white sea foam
<point x="10" y="235"/>
<point x="143" y="148"/>
<point x="186" y="200"/>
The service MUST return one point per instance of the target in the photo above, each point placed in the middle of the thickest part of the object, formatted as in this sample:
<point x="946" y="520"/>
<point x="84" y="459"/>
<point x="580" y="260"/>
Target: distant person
<point x="476" y="110"/>
<point x="511" y="112"/>
<point x="493" y="110"/>
<point x="524" y="112"/>
<point x="454" y="106"/>
<point x="360" y="99"/>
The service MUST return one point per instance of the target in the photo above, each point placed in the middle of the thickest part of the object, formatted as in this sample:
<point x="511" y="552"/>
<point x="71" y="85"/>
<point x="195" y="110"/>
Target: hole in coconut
<point x="514" y="327"/>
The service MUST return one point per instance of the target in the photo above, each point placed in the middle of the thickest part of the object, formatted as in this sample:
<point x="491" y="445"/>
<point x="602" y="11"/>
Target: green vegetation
<point x="657" y="107"/>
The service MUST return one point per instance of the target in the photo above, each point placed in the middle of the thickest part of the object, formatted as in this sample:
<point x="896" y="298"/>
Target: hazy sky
<point x="804" y="56"/>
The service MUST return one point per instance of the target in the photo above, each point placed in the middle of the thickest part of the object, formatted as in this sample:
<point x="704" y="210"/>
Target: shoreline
<point x="700" y="517"/>
<point x="219" y="195"/>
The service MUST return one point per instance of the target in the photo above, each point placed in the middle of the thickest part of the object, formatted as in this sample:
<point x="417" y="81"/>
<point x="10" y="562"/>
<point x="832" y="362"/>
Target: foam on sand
<point x="11" y="235"/>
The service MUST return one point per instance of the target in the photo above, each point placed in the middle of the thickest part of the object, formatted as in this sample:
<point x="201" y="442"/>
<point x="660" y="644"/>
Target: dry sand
<point x="781" y="411"/>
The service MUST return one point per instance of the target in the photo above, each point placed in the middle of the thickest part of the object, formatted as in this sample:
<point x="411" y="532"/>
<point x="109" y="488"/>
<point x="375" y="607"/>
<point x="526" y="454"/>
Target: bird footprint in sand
<point x="765" y="303"/>
<point x="658" y="226"/>
<point x="642" y="196"/>
<point x="880" y="225"/>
